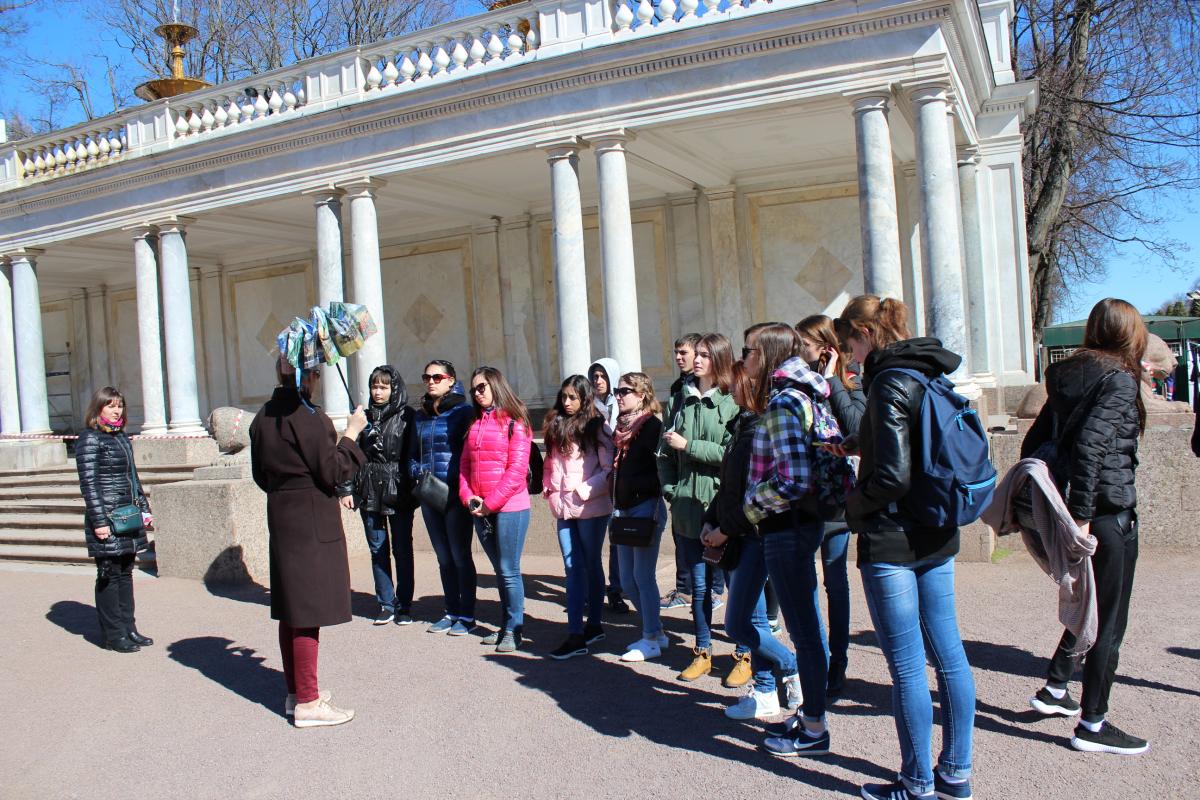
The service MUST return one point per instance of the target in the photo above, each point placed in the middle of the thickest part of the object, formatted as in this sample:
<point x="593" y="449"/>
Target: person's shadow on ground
<point x="239" y="669"/>
<point x="78" y="619"/>
<point x="615" y="700"/>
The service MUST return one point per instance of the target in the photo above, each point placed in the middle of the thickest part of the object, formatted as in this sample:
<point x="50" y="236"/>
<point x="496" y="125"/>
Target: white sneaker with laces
<point x="755" y="705"/>
<point x="791" y="686"/>
<point x="642" y="650"/>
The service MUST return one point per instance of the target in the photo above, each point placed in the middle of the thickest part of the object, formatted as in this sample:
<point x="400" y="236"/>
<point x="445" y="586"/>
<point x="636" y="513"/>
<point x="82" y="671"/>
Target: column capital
<point x="22" y="254"/>
<point x="561" y="147"/>
<point x="720" y="192"/>
<point x="323" y="195"/>
<point x="172" y="223"/>
<point x="366" y="186"/>
<point x="142" y="230"/>
<point x="929" y="92"/>
<point x="968" y="156"/>
<point x="612" y="139"/>
<point x="875" y="100"/>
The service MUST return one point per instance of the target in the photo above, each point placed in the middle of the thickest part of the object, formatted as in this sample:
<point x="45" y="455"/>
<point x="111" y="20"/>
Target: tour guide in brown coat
<point x="298" y="460"/>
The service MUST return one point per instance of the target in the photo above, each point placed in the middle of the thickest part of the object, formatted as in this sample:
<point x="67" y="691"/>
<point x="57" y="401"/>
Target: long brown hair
<point x="776" y="342"/>
<point x="720" y="353"/>
<point x="503" y="397"/>
<point x="820" y="329"/>
<point x="1116" y="330"/>
<point x="886" y="319"/>
<point x="580" y="429"/>
<point x="100" y="399"/>
<point x="742" y="385"/>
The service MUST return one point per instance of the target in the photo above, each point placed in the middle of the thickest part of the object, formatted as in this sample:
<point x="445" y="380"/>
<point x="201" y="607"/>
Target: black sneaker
<point x="593" y="633"/>
<point x="384" y="616"/>
<point x="892" y="791"/>
<point x="617" y="604"/>
<point x="1045" y="703"/>
<point x="836" y="683"/>
<point x="786" y="728"/>
<point x="1109" y="739"/>
<point x="575" y="645"/>
<point x="945" y="790"/>
<point x="799" y="743"/>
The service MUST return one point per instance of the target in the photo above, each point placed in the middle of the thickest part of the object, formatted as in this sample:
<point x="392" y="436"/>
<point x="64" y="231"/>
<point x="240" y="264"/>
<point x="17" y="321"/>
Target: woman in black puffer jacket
<point x="1098" y="462"/>
<point x="108" y="480"/>
<point x="382" y="492"/>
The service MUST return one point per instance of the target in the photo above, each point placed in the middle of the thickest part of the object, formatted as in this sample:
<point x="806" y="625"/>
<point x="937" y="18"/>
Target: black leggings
<point x="1113" y="564"/>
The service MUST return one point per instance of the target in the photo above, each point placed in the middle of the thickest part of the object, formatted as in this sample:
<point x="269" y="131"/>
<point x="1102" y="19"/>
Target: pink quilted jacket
<point x="494" y="465"/>
<point x="576" y="484"/>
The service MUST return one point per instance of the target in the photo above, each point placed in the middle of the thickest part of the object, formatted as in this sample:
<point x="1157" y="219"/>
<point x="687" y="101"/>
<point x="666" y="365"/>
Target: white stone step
<point x="12" y="519"/>
<point x="57" y="537"/>
<point x="43" y="553"/>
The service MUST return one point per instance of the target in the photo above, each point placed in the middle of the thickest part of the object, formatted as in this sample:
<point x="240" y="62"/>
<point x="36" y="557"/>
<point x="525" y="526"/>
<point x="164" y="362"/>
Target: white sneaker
<point x="662" y="640"/>
<point x="791" y="687"/>
<point x="755" y="705"/>
<point x="289" y="705"/>
<point x="321" y="713"/>
<point x="642" y="650"/>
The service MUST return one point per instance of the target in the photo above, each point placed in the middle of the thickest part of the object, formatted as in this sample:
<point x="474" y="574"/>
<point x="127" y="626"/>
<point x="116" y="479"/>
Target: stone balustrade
<point x="504" y="38"/>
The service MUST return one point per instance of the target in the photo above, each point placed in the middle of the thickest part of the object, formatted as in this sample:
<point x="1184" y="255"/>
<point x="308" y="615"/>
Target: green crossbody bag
<point x="126" y="520"/>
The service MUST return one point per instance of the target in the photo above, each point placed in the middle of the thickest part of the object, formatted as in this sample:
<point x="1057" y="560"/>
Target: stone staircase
<point x="42" y="513"/>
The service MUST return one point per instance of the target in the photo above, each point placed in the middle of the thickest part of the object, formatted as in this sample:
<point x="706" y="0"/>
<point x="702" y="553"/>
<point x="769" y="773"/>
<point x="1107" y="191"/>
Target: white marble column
<point x="941" y="248"/>
<point x="980" y="308"/>
<point x="616" y="252"/>
<point x="882" y="273"/>
<point x="145" y="262"/>
<point x="366" y="279"/>
<point x="182" y="388"/>
<point x="10" y="403"/>
<point x="330" y="286"/>
<point x="570" y="276"/>
<point x="27" y="338"/>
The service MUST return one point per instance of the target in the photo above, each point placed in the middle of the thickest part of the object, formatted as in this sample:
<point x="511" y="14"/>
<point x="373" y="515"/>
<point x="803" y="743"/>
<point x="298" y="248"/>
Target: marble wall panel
<point x="429" y="296"/>
<point x="58" y="337"/>
<point x="261" y="303"/>
<point x="807" y="252"/>
<point x="124" y="356"/>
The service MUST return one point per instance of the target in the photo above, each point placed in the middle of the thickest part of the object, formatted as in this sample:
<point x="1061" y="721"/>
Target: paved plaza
<point x="200" y="714"/>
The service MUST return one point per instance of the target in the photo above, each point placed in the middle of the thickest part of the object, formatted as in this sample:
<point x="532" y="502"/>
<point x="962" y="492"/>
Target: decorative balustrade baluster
<point x="290" y="101"/>
<point x="207" y="119"/>
<point x="710" y="6"/>
<point x="458" y="53"/>
<point x="390" y="73"/>
<point x="93" y="148"/>
<point x="276" y="101"/>
<point x="689" y="8"/>
<point x="478" y="51"/>
<point x="424" y="62"/>
<point x="221" y="116"/>
<point x="495" y="46"/>
<point x="666" y="10"/>
<point x="374" y="78"/>
<point x="261" y="108"/>
<point x="407" y="67"/>
<point x="645" y="13"/>
<point x="441" y="60"/>
<point x="624" y="17"/>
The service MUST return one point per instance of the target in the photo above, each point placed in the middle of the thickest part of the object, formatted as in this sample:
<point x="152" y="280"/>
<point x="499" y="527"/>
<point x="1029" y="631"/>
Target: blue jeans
<point x="503" y="538"/>
<point x="746" y="617"/>
<point x="398" y="596"/>
<point x="912" y="608"/>
<point x="790" y="556"/>
<point x="582" y="541"/>
<point x="450" y="535"/>
<point x="837" y="590"/>
<point x="701" y="575"/>
<point x="639" y="565"/>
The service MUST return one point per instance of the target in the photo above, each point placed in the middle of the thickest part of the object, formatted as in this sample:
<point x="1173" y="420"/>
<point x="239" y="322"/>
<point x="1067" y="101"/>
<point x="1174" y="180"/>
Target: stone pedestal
<point x="215" y="531"/>
<point x="150" y="451"/>
<point x="32" y="454"/>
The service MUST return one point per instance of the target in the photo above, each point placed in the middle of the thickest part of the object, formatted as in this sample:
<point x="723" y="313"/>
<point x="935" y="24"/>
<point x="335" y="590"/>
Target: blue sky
<point x="1133" y="274"/>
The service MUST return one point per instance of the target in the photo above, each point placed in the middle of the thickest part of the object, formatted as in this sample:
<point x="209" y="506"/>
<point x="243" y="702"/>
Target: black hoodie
<point x="888" y="443"/>
<point x="386" y="442"/>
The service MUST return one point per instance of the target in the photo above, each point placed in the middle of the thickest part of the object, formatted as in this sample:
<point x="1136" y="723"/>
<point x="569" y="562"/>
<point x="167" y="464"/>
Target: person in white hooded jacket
<point x="604" y="374"/>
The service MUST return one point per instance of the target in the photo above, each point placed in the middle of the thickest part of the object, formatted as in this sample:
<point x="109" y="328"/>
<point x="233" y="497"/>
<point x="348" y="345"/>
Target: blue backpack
<point x="955" y="479"/>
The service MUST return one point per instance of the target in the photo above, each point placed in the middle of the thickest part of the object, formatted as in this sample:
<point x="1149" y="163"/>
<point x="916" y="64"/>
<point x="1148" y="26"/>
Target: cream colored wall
<point x="261" y="302"/>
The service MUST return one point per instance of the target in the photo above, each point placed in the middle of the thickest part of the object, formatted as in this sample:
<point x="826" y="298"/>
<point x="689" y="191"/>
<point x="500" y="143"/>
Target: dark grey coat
<point x="107" y="477"/>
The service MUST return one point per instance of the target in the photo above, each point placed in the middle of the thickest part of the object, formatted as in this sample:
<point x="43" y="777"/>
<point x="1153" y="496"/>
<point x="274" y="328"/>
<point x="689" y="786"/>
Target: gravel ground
<point x="200" y="714"/>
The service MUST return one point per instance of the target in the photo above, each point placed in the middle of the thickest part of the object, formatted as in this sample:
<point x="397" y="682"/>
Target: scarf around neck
<point x="628" y="426"/>
<point x="115" y="427"/>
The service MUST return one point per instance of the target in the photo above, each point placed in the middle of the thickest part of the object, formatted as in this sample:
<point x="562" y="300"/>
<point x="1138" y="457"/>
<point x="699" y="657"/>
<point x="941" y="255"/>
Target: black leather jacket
<point x="105" y="465"/>
<point x="888" y="436"/>
<point x="1102" y="460"/>
<point x="727" y="510"/>
<point x="387" y="443"/>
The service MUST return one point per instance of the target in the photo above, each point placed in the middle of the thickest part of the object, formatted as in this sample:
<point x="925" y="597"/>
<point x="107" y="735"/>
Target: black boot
<point x="138" y="639"/>
<point x="122" y="645"/>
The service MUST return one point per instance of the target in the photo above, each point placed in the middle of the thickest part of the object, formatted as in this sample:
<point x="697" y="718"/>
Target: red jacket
<point x="494" y="465"/>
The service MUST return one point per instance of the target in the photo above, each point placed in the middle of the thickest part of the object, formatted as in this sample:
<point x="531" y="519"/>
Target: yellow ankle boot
<point x="741" y="673"/>
<point x="701" y="665"/>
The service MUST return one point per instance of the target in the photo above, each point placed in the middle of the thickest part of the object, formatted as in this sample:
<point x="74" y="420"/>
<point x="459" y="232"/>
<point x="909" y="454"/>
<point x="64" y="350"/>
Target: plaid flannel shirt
<point x="780" y="467"/>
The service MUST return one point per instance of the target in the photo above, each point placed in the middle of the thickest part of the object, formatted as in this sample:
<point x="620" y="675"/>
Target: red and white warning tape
<point x="35" y="436"/>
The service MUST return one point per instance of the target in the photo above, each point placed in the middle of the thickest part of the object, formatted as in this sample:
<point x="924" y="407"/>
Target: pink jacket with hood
<point x="494" y="465"/>
<point x="576" y="484"/>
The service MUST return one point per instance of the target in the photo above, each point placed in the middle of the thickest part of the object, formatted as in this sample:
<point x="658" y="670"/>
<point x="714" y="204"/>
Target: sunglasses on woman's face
<point x="479" y="388"/>
<point x="624" y="390"/>
<point x="746" y="351"/>
<point x="435" y="377"/>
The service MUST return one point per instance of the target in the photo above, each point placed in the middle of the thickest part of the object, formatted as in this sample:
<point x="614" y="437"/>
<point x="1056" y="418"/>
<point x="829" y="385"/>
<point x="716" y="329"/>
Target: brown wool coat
<point x="298" y="460"/>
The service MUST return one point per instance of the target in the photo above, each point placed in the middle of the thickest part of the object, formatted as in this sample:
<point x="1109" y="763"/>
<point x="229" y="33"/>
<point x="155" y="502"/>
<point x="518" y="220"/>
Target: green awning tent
<point x="1169" y="329"/>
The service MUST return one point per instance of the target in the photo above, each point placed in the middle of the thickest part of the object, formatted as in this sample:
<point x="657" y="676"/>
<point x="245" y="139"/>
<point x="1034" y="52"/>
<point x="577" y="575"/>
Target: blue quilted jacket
<point x="440" y="434"/>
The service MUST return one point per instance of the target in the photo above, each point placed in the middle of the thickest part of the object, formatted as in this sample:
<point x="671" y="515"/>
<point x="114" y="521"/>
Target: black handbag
<point x="432" y="491"/>
<point x="726" y="556"/>
<point x="631" y="531"/>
